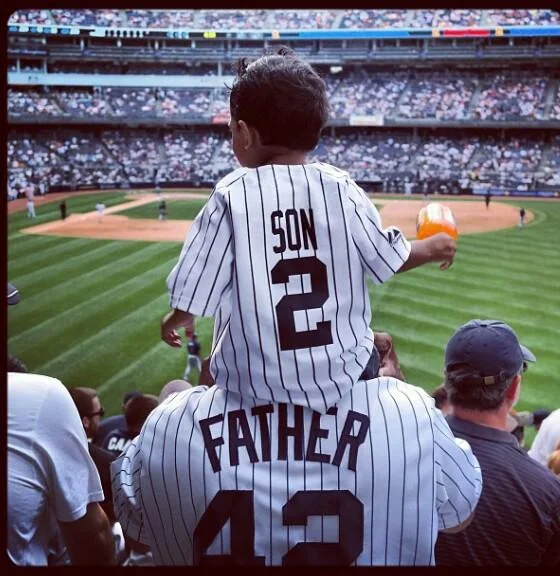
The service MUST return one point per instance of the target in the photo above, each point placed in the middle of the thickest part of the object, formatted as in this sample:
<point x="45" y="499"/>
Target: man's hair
<point x="16" y="365"/>
<point x="138" y="409"/>
<point x="283" y="98"/>
<point x="83" y="398"/>
<point x="440" y="395"/>
<point x="463" y="393"/>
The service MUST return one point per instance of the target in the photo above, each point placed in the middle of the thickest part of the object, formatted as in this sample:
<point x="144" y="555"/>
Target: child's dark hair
<point x="283" y="98"/>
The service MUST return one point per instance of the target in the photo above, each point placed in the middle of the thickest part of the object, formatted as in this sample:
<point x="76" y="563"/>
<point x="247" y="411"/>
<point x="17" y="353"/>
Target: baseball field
<point x="91" y="306"/>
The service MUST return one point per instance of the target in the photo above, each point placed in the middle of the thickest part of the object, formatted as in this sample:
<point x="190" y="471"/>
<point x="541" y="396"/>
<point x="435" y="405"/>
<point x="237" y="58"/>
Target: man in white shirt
<point x="51" y="477"/>
<point x="547" y="438"/>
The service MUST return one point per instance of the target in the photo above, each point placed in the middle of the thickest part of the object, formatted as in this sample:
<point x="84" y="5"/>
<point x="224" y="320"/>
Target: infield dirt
<point x="471" y="216"/>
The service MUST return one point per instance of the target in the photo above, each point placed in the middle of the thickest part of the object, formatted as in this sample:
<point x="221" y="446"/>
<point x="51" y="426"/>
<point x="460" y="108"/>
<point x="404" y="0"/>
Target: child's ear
<point x="249" y="136"/>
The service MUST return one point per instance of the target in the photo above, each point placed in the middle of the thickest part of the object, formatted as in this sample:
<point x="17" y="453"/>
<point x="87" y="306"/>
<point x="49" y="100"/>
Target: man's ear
<point x="514" y="390"/>
<point x="85" y="422"/>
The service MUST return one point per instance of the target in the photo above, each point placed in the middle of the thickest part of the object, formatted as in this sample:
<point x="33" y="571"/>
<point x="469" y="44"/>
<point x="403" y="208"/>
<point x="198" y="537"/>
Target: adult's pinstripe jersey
<point x="284" y="249"/>
<point x="215" y="476"/>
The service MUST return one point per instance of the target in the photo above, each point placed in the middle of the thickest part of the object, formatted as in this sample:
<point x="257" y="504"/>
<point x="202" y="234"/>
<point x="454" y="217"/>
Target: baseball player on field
<point x="216" y="477"/>
<point x="193" y="356"/>
<point x="280" y="252"/>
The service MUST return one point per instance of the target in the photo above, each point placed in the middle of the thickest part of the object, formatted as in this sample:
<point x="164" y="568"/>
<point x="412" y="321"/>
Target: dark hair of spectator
<point x="83" y="398"/>
<point x="463" y="393"/>
<point x="16" y="365"/>
<point x="283" y="98"/>
<point x="440" y="396"/>
<point x="519" y="433"/>
<point x="138" y="409"/>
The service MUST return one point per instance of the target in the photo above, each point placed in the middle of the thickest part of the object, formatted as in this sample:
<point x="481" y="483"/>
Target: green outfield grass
<point x="176" y="210"/>
<point x="90" y="309"/>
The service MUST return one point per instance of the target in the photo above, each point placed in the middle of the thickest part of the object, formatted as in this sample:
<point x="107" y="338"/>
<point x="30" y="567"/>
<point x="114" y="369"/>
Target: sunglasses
<point x="100" y="412"/>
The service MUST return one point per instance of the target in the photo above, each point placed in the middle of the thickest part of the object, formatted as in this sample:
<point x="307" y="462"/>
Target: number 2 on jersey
<point x="290" y="339"/>
<point x="237" y="507"/>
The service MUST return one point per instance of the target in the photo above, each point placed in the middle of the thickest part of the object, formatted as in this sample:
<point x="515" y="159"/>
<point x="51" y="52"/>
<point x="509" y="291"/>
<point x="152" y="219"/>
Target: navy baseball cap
<point x="130" y="395"/>
<point x="485" y="352"/>
<point x="13" y="294"/>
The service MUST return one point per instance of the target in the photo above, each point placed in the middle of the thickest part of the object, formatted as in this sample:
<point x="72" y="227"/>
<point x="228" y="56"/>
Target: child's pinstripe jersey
<point x="284" y="251"/>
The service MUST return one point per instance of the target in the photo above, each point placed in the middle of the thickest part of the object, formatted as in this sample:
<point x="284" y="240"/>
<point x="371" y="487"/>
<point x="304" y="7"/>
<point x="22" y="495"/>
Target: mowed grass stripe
<point x="135" y="255"/>
<point x="72" y="330"/>
<point x="104" y="282"/>
<point x="54" y="254"/>
<point x="153" y="366"/>
<point x="445" y="313"/>
<point x="117" y="345"/>
<point x="463" y="280"/>
<point x="475" y="299"/>
<point x="497" y="242"/>
<point x="511" y="260"/>
<point x="501" y="265"/>
<point x="75" y="265"/>
<point x="106" y="349"/>
<point x="28" y="244"/>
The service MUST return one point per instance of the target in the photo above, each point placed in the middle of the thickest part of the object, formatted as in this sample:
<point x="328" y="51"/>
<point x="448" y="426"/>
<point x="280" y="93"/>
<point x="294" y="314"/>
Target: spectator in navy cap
<point x="517" y="519"/>
<point x="112" y="423"/>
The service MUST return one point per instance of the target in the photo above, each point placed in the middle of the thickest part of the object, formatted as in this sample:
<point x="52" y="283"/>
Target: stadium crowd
<point x="120" y="157"/>
<point x="449" y="95"/>
<point x="287" y="19"/>
<point x="518" y="96"/>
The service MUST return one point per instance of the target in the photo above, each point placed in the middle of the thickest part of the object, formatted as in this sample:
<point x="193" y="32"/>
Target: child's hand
<point x="171" y="321"/>
<point x="441" y="249"/>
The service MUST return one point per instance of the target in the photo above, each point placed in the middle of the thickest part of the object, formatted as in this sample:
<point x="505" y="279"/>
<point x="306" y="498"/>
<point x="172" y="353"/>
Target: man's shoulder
<point x="35" y="385"/>
<point x="35" y="379"/>
<point x="387" y="387"/>
<point x="196" y="401"/>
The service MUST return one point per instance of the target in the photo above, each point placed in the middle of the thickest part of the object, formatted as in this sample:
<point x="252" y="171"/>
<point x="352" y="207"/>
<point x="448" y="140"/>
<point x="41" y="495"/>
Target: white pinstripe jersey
<point x="285" y="249"/>
<point x="214" y="477"/>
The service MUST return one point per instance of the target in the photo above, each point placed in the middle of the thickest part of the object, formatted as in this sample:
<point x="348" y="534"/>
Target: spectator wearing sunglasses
<point x="91" y="411"/>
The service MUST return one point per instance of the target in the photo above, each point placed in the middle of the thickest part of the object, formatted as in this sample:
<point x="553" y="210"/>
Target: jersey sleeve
<point x="63" y="455"/>
<point x="382" y="251"/>
<point x="203" y="273"/>
<point x="125" y="482"/>
<point x="458" y="475"/>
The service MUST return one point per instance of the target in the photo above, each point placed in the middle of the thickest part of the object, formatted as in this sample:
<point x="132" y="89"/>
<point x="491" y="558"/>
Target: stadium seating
<point x="286" y="19"/>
